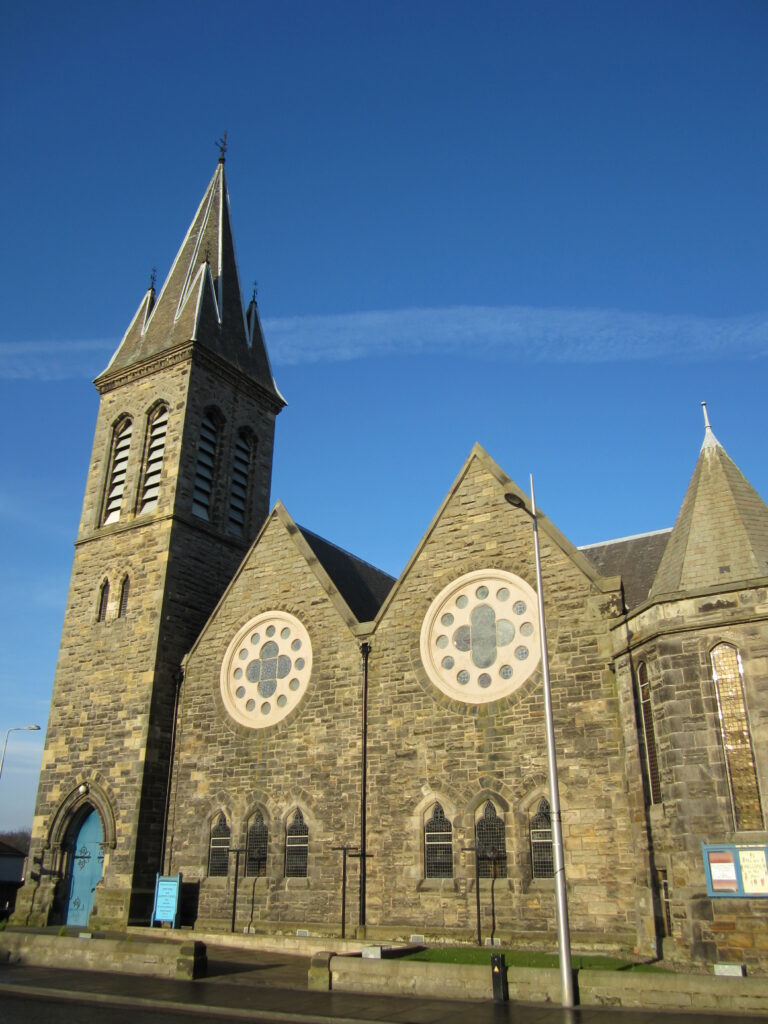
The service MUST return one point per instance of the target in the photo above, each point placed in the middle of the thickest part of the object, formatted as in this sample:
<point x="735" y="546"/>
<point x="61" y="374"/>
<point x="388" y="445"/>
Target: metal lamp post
<point x="15" y="728"/>
<point x="563" y="931"/>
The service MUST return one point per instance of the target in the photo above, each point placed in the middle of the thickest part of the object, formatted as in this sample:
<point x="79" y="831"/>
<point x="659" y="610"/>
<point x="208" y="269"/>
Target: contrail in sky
<point x="522" y="333"/>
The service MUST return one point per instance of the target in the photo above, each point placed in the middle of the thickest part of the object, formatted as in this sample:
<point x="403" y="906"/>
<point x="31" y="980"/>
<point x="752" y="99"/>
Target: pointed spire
<point x="177" y="316"/>
<point x="721" y="532"/>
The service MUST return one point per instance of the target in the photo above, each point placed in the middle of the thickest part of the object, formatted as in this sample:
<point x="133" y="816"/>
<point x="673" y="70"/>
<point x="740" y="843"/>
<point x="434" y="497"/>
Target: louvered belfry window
<point x="256" y="847"/>
<point x="296" y="847"/>
<point x="491" y="844"/>
<point x="438" y="845"/>
<point x="206" y="462"/>
<point x="542" y="855"/>
<point x="728" y="671"/>
<point x="218" y="856"/>
<point x="154" y="459"/>
<point x="649" y="734"/>
<point x="238" y="497"/>
<point x="121" y="444"/>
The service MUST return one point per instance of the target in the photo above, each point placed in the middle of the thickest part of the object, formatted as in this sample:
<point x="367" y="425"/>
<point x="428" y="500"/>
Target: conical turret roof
<point x="201" y="299"/>
<point x="721" y="532"/>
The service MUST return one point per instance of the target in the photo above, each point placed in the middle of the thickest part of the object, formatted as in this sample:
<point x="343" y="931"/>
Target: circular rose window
<point x="480" y="637"/>
<point x="266" y="669"/>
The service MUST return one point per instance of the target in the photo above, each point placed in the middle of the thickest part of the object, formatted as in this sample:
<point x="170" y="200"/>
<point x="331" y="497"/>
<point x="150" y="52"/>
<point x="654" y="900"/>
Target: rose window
<point x="266" y="669"/>
<point x="480" y="637"/>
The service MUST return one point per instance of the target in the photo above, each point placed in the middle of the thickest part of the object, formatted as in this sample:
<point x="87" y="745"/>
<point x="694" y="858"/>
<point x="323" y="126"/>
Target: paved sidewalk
<point x="271" y="987"/>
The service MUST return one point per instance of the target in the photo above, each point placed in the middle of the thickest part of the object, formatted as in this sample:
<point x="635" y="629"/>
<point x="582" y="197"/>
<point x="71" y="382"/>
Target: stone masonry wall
<point x="309" y="760"/>
<point x="426" y="747"/>
<point x="675" y="639"/>
<point x="109" y="725"/>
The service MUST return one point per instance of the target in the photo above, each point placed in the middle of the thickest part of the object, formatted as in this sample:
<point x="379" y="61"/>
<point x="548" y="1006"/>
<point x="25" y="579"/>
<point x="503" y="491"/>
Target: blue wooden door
<point x="86" y="867"/>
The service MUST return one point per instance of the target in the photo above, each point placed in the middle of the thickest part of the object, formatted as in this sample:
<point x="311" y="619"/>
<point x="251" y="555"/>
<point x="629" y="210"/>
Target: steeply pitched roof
<point x="721" y="532"/>
<point x="201" y="299"/>
<point x="636" y="559"/>
<point x="362" y="586"/>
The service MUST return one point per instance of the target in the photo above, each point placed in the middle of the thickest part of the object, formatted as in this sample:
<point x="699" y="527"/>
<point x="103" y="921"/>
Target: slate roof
<point x="201" y="299"/>
<point x="636" y="559"/>
<point x="721" y="532"/>
<point x="362" y="586"/>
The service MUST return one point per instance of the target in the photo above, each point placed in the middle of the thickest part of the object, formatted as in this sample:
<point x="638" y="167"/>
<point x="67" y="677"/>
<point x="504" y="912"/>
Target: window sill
<point x="436" y="885"/>
<point x="297" y="883"/>
<point x="541" y="885"/>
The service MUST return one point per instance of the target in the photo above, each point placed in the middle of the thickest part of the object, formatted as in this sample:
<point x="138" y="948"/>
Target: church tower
<point x="177" y="489"/>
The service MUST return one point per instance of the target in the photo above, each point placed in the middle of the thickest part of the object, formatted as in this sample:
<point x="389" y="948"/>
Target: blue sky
<point x="541" y="226"/>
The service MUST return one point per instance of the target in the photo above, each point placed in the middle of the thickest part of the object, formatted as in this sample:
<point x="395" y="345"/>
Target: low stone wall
<point x="673" y="991"/>
<point x="185" y="960"/>
<point x="657" y="990"/>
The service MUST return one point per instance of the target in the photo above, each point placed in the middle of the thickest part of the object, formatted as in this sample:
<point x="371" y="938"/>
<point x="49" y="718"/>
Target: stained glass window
<point x="727" y="671"/>
<point x="649" y="734"/>
<point x="218" y="856"/>
<point x="256" y="847"/>
<point x="438" y="845"/>
<point x="542" y="857"/>
<point x="296" y="847"/>
<point x="491" y="844"/>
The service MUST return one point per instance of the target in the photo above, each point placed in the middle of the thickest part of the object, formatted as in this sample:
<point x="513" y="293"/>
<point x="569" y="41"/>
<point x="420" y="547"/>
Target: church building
<point x="242" y="702"/>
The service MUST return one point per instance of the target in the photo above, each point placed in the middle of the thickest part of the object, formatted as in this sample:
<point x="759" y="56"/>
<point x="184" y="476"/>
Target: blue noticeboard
<point x="166" y="908"/>
<point x="736" y="872"/>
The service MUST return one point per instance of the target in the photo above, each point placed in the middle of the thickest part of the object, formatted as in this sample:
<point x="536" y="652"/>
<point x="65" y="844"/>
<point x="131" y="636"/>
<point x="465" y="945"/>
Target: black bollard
<point x="499" y="976"/>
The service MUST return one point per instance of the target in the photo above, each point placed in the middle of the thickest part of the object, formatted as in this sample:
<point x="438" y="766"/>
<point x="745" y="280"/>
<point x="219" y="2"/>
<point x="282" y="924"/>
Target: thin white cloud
<point x="516" y="332"/>
<point x="524" y="333"/>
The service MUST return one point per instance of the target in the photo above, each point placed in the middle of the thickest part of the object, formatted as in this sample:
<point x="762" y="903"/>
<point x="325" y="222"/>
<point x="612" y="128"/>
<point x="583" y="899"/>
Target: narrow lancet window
<point x="101" y="612"/>
<point x="438" y="845"/>
<point x="649" y="734"/>
<point x="206" y="462"/>
<point x="491" y="844"/>
<point x="121" y="444"/>
<point x="296" y="847"/>
<point x="218" y="854"/>
<point x="256" y="847"/>
<point x="238" y="495"/>
<point x="125" y="588"/>
<point x="728" y="674"/>
<point x="542" y="856"/>
<point x="153" y="466"/>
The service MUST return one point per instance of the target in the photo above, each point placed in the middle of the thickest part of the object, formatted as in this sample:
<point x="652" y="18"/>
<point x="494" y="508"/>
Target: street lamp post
<point x="561" y="899"/>
<point x="15" y="728"/>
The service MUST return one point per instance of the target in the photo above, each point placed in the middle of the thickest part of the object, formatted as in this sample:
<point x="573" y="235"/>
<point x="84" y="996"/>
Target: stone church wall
<point x="426" y="747"/>
<point x="309" y="760"/>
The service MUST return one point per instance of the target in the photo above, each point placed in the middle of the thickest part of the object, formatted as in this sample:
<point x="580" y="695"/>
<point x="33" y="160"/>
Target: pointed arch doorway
<point x="86" y="862"/>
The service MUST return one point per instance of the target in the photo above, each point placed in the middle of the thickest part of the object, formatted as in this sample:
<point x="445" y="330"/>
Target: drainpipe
<point x="178" y="680"/>
<point x="365" y="650"/>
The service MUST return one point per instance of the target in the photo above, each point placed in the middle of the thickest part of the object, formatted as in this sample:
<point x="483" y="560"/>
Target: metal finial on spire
<point x="710" y="441"/>
<point x="255" y="293"/>
<point x="222" y="144"/>
<point x="207" y="254"/>
<point x="152" y="279"/>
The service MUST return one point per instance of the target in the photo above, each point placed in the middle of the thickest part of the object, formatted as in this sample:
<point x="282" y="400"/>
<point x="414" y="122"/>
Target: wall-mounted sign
<point x="166" y="908"/>
<point x="736" y="871"/>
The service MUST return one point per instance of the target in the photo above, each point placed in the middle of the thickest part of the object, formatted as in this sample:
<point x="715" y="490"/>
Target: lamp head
<point x="514" y="500"/>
